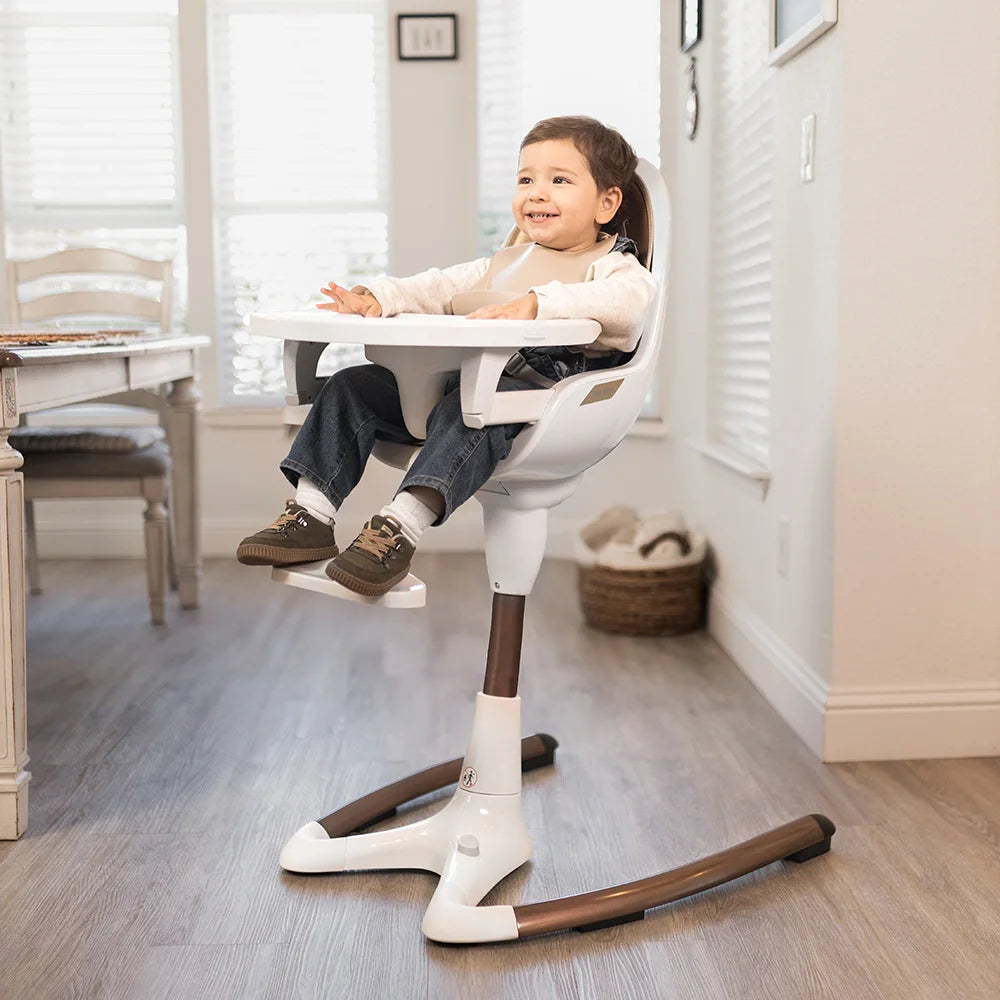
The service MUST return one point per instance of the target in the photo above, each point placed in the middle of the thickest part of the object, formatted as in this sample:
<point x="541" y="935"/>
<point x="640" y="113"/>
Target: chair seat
<point x="92" y="440"/>
<point x="153" y="460"/>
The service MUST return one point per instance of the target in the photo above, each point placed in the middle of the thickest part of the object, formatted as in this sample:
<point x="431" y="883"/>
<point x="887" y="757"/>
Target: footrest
<point x="408" y="593"/>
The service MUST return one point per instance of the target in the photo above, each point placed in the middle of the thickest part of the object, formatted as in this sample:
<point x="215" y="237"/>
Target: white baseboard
<point x="874" y="722"/>
<point x="882" y="723"/>
<point x="782" y="677"/>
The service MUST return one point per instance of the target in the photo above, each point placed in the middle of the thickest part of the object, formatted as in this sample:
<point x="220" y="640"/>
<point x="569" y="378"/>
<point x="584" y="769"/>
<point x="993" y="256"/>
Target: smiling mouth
<point x="540" y="216"/>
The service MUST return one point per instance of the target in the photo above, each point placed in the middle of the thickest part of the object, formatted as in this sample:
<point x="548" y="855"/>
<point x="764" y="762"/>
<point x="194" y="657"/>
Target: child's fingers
<point x="336" y="292"/>
<point x="485" y="312"/>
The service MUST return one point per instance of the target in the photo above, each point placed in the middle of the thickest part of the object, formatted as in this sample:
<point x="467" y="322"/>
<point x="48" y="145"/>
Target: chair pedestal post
<point x="503" y="657"/>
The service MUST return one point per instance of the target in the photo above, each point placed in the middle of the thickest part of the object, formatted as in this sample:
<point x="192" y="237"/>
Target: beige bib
<point x="514" y="270"/>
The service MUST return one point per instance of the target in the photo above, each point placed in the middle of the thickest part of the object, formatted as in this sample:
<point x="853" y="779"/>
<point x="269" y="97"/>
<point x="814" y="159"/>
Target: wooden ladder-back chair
<point x="100" y="462"/>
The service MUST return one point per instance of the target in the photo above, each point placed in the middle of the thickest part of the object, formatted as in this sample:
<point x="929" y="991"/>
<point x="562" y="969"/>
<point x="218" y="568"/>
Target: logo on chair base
<point x="469" y="777"/>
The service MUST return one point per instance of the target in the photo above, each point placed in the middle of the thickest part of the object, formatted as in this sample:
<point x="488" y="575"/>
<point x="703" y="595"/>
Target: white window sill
<point x="735" y="462"/>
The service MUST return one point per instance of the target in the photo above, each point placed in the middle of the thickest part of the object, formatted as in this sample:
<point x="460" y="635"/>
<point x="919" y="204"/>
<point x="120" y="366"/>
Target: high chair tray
<point x="418" y="328"/>
<point x="408" y="593"/>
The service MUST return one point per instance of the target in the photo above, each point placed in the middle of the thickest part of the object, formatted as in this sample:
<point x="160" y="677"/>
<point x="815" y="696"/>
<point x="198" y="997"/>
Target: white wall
<point x="885" y="413"/>
<point x="917" y="490"/>
<point x="778" y="629"/>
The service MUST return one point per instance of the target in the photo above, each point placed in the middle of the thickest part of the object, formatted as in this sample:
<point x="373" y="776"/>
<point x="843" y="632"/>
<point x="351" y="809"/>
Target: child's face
<point x="556" y="201"/>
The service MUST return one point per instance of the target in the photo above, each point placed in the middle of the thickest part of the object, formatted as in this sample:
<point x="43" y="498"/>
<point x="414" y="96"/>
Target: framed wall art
<point x="690" y="24"/>
<point x="794" y="24"/>
<point x="427" y="36"/>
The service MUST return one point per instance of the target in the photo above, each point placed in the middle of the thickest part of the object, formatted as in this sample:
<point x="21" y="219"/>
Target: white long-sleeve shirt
<point x="615" y="293"/>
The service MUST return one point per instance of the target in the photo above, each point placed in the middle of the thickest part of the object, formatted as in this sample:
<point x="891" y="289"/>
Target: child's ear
<point x="610" y="202"/>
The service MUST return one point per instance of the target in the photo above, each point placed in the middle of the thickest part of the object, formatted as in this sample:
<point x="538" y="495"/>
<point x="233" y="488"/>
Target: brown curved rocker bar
<point x="798" y="841"/>
<point x="536" y="751"/>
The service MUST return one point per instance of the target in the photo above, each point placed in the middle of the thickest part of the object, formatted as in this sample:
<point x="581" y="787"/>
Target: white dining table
<point x="34" y="378"/>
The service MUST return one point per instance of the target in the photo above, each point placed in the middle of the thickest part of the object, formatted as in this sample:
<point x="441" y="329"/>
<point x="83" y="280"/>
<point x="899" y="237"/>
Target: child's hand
<point x="525" y="307"/>
<point x="344" y="301"/>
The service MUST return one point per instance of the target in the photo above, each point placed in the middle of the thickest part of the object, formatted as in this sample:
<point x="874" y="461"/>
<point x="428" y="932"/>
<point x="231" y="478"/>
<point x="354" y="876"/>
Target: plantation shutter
<point x="88" y="131"/>
<point x="740" y="274"/>
<point x="300" y="167"/>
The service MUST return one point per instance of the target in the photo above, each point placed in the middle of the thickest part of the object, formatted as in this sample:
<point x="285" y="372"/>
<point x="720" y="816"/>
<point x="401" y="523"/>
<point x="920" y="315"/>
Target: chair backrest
<point x="589" y="414"/>
<point x="95" y="263"/>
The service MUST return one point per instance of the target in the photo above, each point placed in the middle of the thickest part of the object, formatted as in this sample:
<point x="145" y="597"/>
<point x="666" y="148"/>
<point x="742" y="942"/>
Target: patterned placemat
<point x="68" y="338"/>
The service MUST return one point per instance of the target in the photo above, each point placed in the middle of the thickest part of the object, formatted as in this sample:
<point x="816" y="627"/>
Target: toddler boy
<point x="572" y="172"/>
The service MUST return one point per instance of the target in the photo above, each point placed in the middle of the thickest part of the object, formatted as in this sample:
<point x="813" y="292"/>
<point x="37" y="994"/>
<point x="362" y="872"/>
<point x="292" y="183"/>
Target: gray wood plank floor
<point x="170" y="764"/>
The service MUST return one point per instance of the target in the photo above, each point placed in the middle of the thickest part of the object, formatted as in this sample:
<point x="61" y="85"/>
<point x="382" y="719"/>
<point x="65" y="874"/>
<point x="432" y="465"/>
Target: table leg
<point x="183" y="404"/>
<point x="13" y="702"/>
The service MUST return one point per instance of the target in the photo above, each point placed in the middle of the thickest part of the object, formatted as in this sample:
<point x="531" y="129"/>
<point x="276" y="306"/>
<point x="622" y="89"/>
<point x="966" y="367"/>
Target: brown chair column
<point x="503" y="658"/>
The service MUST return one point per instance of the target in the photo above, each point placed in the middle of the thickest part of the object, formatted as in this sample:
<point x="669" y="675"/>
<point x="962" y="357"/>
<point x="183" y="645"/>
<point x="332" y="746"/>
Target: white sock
<point x="414" y="517"/>
<point x="308" y="495"/>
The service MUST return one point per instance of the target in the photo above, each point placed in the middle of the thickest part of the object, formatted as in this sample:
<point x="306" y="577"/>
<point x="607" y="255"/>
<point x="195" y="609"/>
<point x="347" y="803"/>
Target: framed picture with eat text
<point x="427" y="36"/>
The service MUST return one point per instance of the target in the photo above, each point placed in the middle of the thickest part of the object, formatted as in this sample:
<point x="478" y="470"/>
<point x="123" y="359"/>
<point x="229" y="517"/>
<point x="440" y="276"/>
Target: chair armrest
<point x="483" y="405"/>
<point x="481" y="368"/>
<point x="300" y="360"/>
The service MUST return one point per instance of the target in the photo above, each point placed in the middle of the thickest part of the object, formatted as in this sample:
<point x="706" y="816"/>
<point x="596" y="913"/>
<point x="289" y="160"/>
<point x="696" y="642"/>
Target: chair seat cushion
<point x="91" y="440"/>
<point x="151" y="461"/>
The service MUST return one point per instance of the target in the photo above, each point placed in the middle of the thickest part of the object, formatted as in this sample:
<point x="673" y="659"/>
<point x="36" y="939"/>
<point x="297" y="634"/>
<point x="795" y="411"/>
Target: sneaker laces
<point x="290" y="515"/>
<point x="378" y="542"/>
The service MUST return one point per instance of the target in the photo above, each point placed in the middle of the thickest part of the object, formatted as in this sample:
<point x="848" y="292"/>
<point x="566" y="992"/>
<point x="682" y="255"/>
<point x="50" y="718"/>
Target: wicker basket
<point x="661" y="601"/>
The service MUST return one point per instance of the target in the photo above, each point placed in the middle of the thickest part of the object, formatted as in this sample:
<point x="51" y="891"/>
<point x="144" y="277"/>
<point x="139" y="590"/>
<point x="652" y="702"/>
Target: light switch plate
<point x="808" y="151"/>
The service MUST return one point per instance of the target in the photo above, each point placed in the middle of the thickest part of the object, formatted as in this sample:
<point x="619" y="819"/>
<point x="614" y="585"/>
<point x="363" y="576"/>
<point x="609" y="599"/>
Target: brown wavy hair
<point x="612" y="161"/>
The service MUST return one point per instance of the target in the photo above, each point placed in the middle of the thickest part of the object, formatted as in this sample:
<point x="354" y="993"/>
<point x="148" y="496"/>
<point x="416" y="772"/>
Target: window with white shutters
<point x="740" y="271"/>
<point x="299" y="152"/>
<point x="88" y="132"/>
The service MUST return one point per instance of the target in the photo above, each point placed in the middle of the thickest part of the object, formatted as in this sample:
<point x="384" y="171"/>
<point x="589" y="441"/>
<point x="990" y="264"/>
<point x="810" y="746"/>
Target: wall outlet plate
<point x="785" y="548"/>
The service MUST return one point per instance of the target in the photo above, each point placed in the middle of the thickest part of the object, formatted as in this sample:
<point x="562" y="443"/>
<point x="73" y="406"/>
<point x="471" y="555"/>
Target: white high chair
<point x="479" y="836"/>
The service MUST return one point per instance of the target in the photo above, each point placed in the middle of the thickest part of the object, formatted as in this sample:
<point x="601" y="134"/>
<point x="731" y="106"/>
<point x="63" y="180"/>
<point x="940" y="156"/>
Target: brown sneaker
<point x="375" y="561"/>
<point x="295" y="537"/>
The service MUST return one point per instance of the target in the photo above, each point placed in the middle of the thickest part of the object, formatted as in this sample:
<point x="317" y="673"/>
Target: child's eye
<point x="524" y="180"/>
<point x="557" y="180"/>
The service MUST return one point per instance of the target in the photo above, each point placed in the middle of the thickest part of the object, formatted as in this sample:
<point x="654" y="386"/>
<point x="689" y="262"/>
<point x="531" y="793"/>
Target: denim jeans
<point x="359" y="406"/>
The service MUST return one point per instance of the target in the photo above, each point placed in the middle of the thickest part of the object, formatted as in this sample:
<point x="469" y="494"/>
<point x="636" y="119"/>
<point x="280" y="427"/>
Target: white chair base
<point x="479" y="837"/>
<point x="476" y="840"/>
